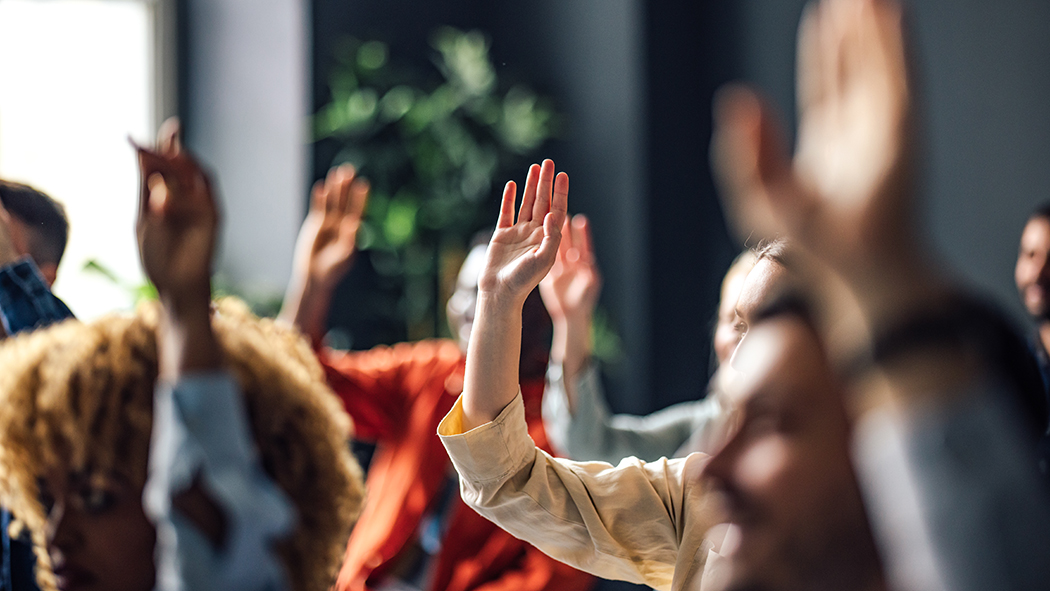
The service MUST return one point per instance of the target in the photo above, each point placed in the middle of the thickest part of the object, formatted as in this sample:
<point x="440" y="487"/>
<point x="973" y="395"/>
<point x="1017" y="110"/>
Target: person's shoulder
<point x="429" y="355"/>
<point x="428" y="349"/>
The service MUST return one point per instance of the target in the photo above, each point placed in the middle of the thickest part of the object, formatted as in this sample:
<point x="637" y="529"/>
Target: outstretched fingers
<point x="506" y="208"/>
<point x="580" y="238"/>
<point x="528" y="199"/>
<point x="542" y="204"/>
<point x="153" y="169"/>
<point x="565" y="245"/>
<point x="547" y="252"/>
<point x="556" y="217"/>
<point x="344" y="176"/>
<point x="752" y="164"/>
<point x="560" y="199"/>
<point x="809" y="85"/>
<point x="358" y="198"/>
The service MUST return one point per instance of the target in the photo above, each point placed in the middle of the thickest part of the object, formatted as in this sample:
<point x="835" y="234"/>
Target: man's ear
<point x="49" y="271"/>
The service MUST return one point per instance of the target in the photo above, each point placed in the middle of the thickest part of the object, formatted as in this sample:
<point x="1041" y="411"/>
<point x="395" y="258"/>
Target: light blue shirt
<point x="201" y="433"/>
<point x="592" y="432"/>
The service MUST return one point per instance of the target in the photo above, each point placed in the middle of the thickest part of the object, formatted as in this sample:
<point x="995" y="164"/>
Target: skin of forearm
<point x="186" y="342"/>
<point x="571" y="347"/>
<point x="306" y="306"/>
<point x="491" y="380"/>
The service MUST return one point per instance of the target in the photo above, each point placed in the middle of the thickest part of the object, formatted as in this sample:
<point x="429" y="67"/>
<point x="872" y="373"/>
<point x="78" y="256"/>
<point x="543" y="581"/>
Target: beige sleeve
<point x="639" y="522"/>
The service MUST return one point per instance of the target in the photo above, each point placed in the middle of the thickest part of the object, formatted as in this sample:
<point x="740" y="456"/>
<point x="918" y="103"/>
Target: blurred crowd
<point x="873" y="424"/>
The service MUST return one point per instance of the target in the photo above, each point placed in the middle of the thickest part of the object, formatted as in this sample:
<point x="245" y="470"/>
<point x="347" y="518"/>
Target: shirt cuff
<point x="588" y="389"/>
<point x="490" y="452"/>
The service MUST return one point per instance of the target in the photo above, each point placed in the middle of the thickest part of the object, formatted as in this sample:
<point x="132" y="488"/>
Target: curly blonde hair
<point x="79" y="396"/>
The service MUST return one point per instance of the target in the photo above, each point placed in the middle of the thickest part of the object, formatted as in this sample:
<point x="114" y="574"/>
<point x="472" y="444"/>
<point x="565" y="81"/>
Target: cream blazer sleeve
<point x="637" y="521"/>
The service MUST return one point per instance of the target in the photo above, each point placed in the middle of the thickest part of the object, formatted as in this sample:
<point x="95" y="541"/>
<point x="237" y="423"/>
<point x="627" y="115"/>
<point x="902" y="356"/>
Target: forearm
<point x="186" y="342"/>
<point x="491" y="379"/>
<point x="571" y="348"/>
<point x="594" y="433"/>
<point x="306" y="306"/>
<point x="940" y="445"/>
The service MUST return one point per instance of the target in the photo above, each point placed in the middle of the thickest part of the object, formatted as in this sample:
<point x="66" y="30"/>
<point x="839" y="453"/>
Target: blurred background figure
<point x="619" y="92"/>
<point x="39" y="226"/>
<point x="415" y="533"/>
<point x="575" y="411"/>
<point x="1032" y="275"/>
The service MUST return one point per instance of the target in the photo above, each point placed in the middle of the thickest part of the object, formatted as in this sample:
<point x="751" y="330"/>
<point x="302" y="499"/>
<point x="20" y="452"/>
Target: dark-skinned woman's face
<point x="98" y="536"/>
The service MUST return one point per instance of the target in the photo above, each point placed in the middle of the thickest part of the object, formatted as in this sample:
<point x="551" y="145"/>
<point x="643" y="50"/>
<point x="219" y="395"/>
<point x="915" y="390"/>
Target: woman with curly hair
<point x="185" y="446"/>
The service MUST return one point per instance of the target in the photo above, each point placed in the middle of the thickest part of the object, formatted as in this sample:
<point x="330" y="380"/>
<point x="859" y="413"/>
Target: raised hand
<point x="177" y="222"/>
<point x="327" y="239"/>
<point x="324" y="250"/>
<point x="847" y="194"/>
<point x="521" y="252"/>
<point x="570" y="292"/>
<point x="571" y="288"/>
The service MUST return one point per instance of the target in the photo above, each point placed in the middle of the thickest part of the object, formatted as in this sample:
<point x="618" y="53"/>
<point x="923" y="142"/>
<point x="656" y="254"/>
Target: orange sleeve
<point x="377" y="386"/>
<point x="538" y="572"/>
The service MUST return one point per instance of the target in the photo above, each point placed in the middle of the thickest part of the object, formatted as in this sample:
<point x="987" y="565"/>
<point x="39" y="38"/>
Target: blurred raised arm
<point x="177" y="227"/>
<point x="570" y="292"/>
<point x="325" y="249"/>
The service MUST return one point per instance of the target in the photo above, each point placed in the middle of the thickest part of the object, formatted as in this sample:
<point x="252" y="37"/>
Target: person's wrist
<point x="321" y="283"/>
<point x="186" y="302"/>
<point x="497" y="304"/>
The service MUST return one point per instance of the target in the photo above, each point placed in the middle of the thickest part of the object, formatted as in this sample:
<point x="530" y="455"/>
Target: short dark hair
<point x="43" y="216"/>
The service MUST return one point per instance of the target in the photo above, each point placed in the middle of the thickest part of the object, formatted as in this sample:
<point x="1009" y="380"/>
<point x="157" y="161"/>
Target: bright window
<point x="76" y="79"/>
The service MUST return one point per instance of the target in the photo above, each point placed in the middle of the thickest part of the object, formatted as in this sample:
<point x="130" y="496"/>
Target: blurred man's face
<point x="785" y="471"/>
<point x="98" y="536"/>
<point x="461" y="304"/>
<point x="535" y="322"/>
<point x="1032" y="272"/>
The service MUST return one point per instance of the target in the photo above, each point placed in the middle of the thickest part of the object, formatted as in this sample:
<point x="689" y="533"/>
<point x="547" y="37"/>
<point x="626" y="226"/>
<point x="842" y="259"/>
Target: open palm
<point x="178" y="218"/>
<point x="522" y="251"/>
<point x="571" y="288"/>
<point x="328" y="237"/>
<point x="845" y="193"/>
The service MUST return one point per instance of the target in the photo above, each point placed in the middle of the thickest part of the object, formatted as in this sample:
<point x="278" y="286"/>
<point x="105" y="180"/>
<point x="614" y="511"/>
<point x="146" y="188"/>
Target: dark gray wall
<point x="244" y="102"/>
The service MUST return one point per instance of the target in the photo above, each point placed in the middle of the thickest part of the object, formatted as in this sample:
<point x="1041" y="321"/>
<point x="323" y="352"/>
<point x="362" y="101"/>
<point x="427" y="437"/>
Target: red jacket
<point x="397" y="396"/>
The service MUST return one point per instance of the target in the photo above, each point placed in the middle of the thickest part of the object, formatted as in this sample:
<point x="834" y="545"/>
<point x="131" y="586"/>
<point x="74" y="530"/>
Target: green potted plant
<point x="433" y="147"/>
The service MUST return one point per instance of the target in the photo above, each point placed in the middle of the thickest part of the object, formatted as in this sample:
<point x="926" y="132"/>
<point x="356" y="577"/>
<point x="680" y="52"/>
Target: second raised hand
<point x="520" y="254"/>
